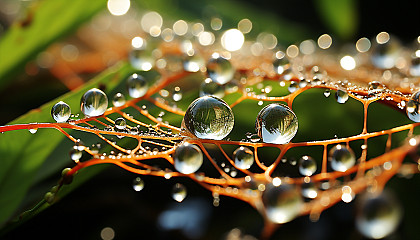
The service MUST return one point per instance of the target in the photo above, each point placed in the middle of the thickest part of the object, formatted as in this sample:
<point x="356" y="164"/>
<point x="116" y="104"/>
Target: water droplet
<point x="385" y="51"/>
<point x="211" y="88"/>
<point x="137" y="86"/>
<point x="341" y="96"/>
<point x="193" y="63"/>
<point x="33" y="130"/>
<point x="75" y="154"/>
<point x="254" y="138"/>
<point x="209" y="118"/>
<point x="118" y="100"/>
<point x="95" y="148"/>
<point x="307" y="166"/>
<point x="378" y="215"/>
<point x="177" y="94"/>
<point x="293" y="87"/>
<point x="281" y="64"/>
<point x="179" y="192"/>
<point x="244" y="157"/>
<point x="415" y="65"/>
<point x="141" y="60"/>
<point x="309" y="190"/>
<point x="282" y="203"/>
<point x="138" y="184"/>
<point x="276" y="123"/>
<point x="412" y="108"/>
<point x="188" y="158"/>
<point x="376" y="86"/>
<point x="341" y="158"/>
<point x="120" y="123"/>
<point x="61" y="112"/>
<point x="327" y="93"/>
<point x="220" y="70"/>
<point x="94" y="103"/>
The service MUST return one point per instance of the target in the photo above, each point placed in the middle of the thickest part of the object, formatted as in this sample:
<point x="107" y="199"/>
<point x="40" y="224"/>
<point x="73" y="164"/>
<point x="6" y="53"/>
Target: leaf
<point x="340" y="16"/>
<point x="46" y="22"/>
<point x="27" y="157"/>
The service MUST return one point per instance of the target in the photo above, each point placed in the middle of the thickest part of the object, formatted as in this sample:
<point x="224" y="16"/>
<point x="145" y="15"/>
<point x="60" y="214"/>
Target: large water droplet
<point x="276" y="123"/>
<point x="118" y="100"/>
<point x="341" y="96"/>
<point x="244" y="157"/>
<point x="307" y="166"/>
<point x="412" y="108"/>
<point x="179" y="192"/>
<point x="120" y="123"/>
<point x="94" y="103"/>
<point x="137" y="86"/>
<point x="282" y="203"/>
<point x="188" y="158"/>
<point x="378" y="215"/>
<point x="61" y="112"/>
<point x="209" y="117"/>
<point x="220" y="70"/>
<point x="341" y="158"/>
<point x="138" y="184"/>
<point x="211" y="88"/>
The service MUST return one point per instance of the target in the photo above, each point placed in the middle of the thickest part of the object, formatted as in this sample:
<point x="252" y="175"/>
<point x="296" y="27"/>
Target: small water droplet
<point x="118" y="100"/>
<point x="75" y="154"/>
<point x="341" y="96"/>
<point x="120" y="123"/>
<point x="412" y="107"/>
<point x="94" y="103"/>
<point x="309" y="190"/>
<point x="220" y="70"/>
<point x="141" y="60"/>
<point x="254" y="138"/>
<point x="209" y="117"/>
<point x="307" y="166"/>
<point x="137" y="86"/>
<point x="293" y="87"/>
<point x="177" y="94"/>
<point x="61" y="112"/>
<point x="415" y="64"/>
<point x="244" y="157"/>
<point x="327" y="93"/>
<point x="33" y="130"/>
<point x="378" y="215"/>
<point x="341" y="158"/>
<point x="188" y="158"/>
<point x="179" y="192"/>
<point x="276" y="123"/>
<point x="281" y="64"/>
<point x="193" y="63"/>
<point x="282" y="203"/>
<point x="211" y="88"/>
<point x="138" y="184"/>
<point x="385" y="51"/>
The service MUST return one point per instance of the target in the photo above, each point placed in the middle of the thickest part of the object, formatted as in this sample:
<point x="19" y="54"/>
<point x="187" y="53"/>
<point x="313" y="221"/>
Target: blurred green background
<point x="31" y="163"/>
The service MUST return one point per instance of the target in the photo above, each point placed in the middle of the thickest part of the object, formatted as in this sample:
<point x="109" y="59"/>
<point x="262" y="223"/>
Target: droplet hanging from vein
<point x="276" y="123"/>
<point x="341" y="158"/>
<point x="209" y="117"/>
<point x="243" y="157"/>
<point x="94" y="103"/>
<point x="188" y="158"/>
<point x="179" y="192"/>
<point x="138" y="184"/>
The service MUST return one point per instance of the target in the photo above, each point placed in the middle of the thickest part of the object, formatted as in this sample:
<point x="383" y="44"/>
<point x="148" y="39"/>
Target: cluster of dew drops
<point x="210" y="117"/>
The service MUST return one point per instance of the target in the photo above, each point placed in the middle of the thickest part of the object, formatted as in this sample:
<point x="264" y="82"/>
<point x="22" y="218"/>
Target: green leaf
<point x="340" y="16"/>
<point x="28" y="157"/>
<point x="46" y="22"/>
